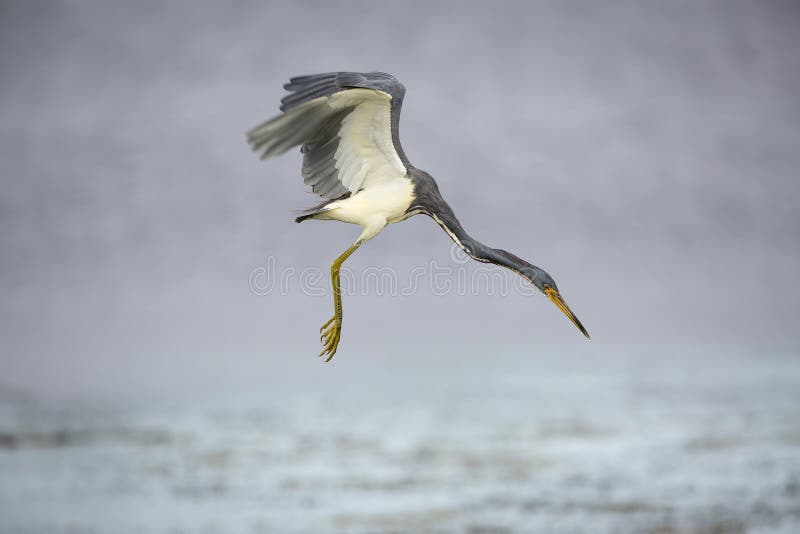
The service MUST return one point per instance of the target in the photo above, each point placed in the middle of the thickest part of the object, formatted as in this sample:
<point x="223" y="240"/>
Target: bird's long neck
<point x="429" y="200"/>
<point x="444" y="216"/>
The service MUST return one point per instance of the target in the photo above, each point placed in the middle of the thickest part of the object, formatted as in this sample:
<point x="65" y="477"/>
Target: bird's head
<point x="545" y="283"/>
<point x="539" y="278"/>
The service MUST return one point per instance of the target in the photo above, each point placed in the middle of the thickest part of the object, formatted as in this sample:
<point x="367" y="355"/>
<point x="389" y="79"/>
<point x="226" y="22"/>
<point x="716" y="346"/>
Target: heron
<point x="347" y="127"/>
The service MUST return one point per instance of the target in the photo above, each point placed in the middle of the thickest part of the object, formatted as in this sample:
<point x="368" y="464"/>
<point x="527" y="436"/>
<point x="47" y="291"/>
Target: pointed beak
<point x="553" y="295"/>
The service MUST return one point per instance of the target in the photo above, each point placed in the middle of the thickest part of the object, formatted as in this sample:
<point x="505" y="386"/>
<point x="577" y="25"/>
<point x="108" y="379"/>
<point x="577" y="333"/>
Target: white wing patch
<point x="366" y="155"/>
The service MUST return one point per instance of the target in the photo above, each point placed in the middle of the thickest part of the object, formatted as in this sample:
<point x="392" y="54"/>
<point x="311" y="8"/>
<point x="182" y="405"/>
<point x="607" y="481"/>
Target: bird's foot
<point x="331" y="332"/>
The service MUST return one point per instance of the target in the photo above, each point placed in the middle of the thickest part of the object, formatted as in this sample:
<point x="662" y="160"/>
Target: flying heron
<point x="347" y="126"/>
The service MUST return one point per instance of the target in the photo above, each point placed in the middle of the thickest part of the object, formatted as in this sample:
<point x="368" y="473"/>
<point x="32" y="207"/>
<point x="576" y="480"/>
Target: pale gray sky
<point x="645" y="153"/>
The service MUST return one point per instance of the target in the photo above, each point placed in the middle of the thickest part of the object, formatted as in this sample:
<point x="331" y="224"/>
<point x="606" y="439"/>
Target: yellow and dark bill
<point x="558" y="300"/>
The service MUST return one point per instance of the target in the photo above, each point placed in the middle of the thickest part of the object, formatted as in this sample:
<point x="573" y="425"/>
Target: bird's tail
<point x="319" y="208"/>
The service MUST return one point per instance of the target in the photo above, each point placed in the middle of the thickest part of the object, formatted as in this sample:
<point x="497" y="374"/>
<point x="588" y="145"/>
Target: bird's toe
<point x="331" y="332"/>
<point x="327" y="324"/>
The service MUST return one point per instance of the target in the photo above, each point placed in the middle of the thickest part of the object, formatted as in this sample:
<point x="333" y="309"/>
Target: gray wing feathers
<point x="313" y="125"/>
<point x="277" y="135"/>
<point x="307" y="120"/>
<point x="308" y="88"/>
<point x="305" y="88"/>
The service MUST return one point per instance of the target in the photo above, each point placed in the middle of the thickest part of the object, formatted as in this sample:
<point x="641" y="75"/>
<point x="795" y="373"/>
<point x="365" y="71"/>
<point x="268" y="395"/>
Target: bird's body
<point x="347" y="126"/>
<point x="373" y="208"/>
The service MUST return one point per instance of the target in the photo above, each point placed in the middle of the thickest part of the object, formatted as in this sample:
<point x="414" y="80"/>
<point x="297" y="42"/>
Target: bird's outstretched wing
<point x="347" y="126"/>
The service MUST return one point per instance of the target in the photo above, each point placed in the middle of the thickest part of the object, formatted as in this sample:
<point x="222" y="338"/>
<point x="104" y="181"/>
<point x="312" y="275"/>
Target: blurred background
<point x="645" y="153"/>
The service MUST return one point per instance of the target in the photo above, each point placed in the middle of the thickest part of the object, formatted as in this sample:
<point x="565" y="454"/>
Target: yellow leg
<point x="332" y="330"/>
